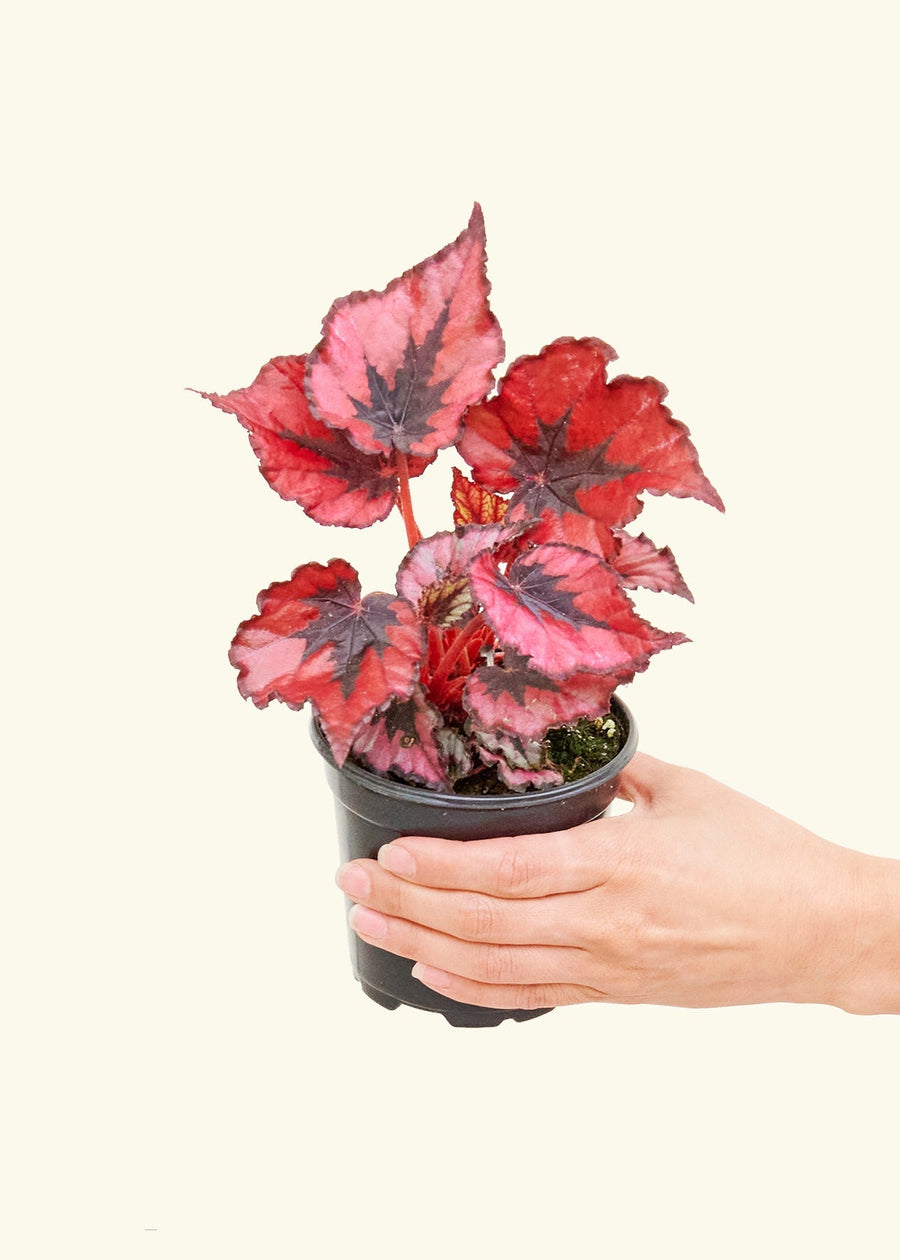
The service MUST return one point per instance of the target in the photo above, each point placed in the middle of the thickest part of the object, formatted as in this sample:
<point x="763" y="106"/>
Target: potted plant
<point x="477" y="699"/>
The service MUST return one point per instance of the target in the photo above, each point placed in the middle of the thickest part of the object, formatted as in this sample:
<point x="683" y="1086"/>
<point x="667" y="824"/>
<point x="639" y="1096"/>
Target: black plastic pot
<point x="372" y="810"/>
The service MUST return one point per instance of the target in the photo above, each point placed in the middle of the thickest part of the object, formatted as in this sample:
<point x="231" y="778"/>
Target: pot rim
<point x="383" y="786"/>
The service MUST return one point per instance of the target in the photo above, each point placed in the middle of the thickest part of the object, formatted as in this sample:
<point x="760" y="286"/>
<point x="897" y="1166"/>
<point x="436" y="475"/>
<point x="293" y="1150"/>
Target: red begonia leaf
<point x="317" y="639"/>
<point x="473" y="505"/>
<point x="396" y="369"/>
<point x="434" y="575"/>
<point x="577" y="530"/>
<point x="303" y="459"/>
<point x="642" y="563"/>
<point x="403" y="740"/>
<point x="559" y="436"/>
<point x="565" y="611"/>
<point x="511" y="697"/>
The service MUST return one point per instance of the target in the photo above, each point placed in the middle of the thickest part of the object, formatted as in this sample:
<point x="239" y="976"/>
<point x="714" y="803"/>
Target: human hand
<point x="698" y="897"/>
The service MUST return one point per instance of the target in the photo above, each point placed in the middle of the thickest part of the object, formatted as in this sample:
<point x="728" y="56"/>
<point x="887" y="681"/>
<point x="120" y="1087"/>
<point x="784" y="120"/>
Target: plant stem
<point x="455" y="651"/>
<point x="413" y="533"/>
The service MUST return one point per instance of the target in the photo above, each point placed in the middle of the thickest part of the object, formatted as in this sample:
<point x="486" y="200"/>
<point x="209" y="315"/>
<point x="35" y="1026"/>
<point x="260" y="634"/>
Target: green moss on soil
<point x="583" y="747"/>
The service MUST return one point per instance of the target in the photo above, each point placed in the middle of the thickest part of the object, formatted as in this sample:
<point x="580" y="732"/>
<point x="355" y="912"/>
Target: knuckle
<point x="498" y="965"/>
<point x="517" y="871"/>
<point x="391" y="897"/>
<point x="479" y="917"/>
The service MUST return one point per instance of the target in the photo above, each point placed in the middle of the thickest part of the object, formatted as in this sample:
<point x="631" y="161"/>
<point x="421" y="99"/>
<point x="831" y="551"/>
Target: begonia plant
<point x="517" y="620"/>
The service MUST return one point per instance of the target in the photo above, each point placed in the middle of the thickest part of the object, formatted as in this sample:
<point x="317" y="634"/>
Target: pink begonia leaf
<point x="638" y="560"/>
<point x="511" y="697"/>
<point x="396" y="369"/>
<point x="434" y="575"/>
<point x="316" y="639"/>
<point x="564" y="610"/>
<point x="520" y="763"/>
<point x="403" y="740"/>
<point x="303" y="459"/>
<point x="473" y="505"/>
<point x="559" y="436"/>
<point x="642" y="563"/>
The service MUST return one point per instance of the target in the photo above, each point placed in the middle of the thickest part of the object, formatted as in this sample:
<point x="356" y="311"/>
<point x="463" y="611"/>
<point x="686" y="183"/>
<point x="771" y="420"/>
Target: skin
<point x="698" y="897"/>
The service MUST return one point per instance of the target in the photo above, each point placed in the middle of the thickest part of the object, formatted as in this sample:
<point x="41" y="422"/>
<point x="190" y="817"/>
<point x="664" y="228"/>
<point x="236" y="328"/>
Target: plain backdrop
<point x="190" y="1070"/>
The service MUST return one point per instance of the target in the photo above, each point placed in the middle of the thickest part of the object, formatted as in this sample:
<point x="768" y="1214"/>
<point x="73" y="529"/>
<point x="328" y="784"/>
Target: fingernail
<point x="432" y="976"/>
<point x="394" y="858"/>
<point x="353" y="880"/>
<point x="367" y="923"/>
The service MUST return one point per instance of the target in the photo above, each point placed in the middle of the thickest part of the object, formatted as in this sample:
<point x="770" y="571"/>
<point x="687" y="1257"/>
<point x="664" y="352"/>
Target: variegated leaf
<point x="396" y="369"/>
<point x="315" y="638"/>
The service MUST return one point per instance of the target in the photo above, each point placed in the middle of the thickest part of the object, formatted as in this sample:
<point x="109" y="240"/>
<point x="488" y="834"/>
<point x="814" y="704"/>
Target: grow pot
<point x="372" y="810"/>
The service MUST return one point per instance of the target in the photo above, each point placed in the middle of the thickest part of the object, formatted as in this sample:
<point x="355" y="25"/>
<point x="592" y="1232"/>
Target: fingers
<point x="491" y="965"/>
<point x="520" y="867"/>
<point x="466" y="915"/>
<point x="523" y="997"/>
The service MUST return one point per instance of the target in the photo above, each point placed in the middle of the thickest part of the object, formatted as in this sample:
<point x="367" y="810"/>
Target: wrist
<point x="869" y="972"/>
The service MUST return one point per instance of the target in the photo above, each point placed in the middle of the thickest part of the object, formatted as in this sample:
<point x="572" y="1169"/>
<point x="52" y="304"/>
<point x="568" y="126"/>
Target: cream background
<point x="190" y="1070"/>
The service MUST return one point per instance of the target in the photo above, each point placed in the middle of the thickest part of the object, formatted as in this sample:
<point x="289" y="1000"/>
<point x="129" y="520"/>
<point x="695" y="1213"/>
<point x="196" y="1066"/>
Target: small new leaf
<point x="473" y="505"/>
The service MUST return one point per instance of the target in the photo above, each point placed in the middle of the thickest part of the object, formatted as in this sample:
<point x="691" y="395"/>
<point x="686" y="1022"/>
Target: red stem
<point x="413" y="533"/>
<point x="455" y="651"/>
